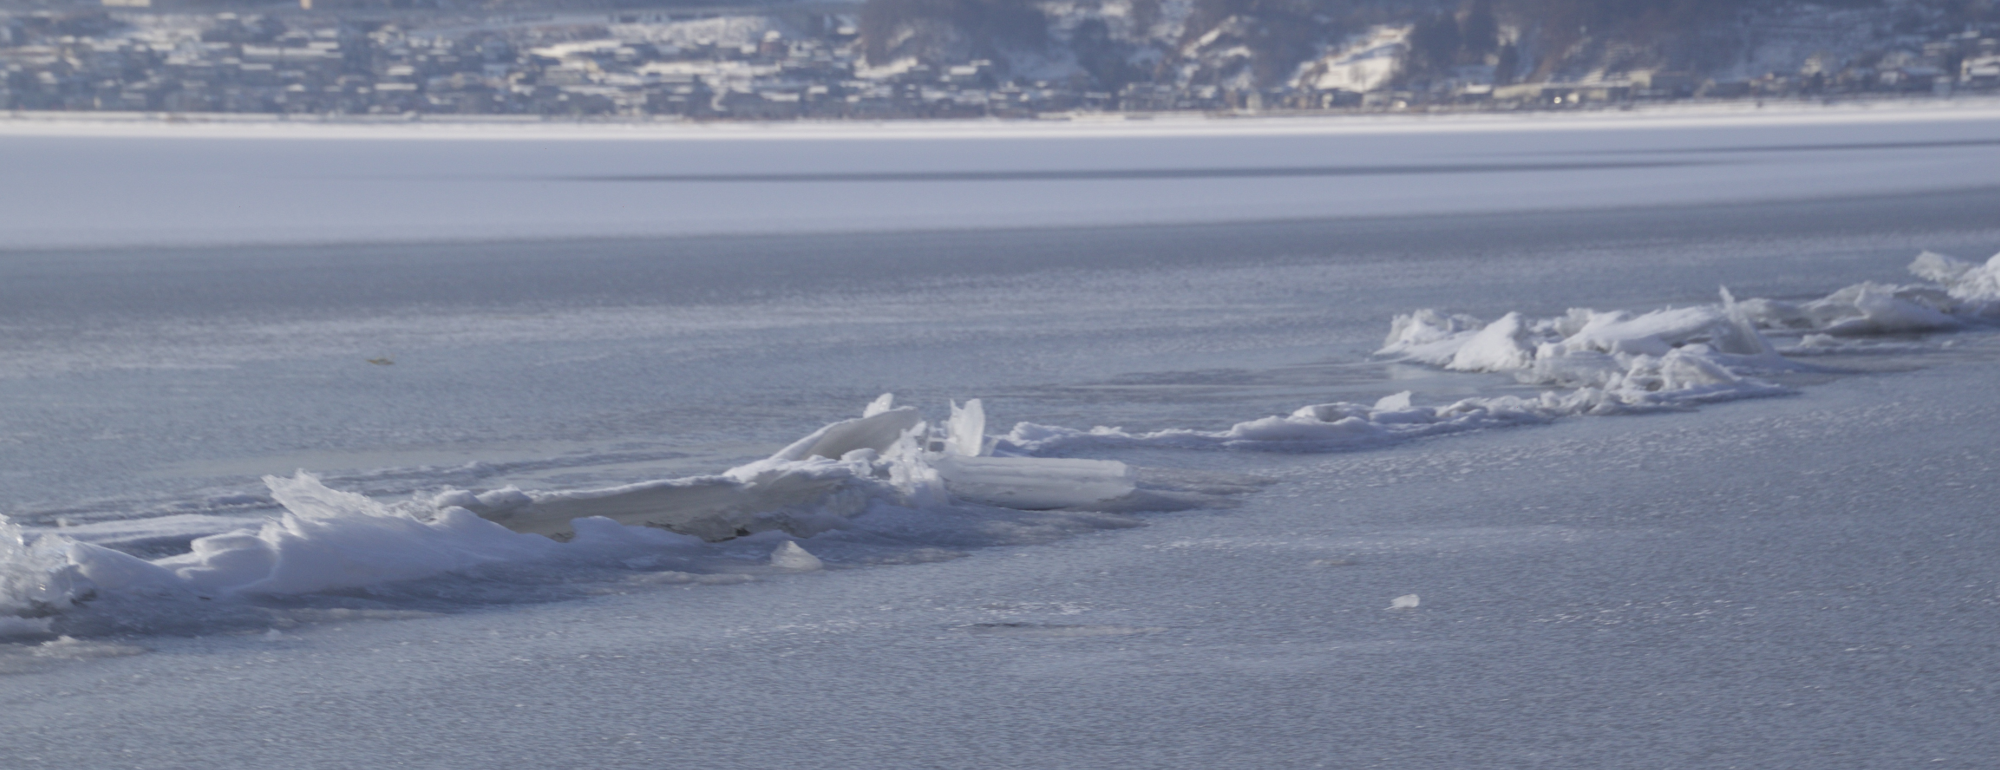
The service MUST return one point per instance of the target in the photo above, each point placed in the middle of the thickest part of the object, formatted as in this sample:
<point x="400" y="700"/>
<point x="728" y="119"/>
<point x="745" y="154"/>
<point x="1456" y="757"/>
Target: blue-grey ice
<point x="1159" y="456"/>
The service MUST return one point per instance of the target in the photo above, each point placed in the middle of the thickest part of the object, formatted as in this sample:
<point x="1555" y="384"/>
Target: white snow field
<point x="1589" y="441"/>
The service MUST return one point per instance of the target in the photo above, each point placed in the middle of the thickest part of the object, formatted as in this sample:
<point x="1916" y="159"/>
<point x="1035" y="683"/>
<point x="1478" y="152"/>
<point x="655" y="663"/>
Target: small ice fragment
<point x="967" y="429"/>
<point x="877" y="431"/>
<point x="1404" y="602"/>
<point x="788" y="555"/>
<point x="1033" y="483"/>
<point x="504" y="499"/>
<point x="1501" y="346"/>
<point x="1393" y="403"/>
<point x="882" y="403"/>
<point x="1938" y="268"/>
<point x="457" y="497"/>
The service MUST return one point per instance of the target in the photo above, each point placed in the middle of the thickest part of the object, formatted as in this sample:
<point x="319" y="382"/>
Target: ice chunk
<point x="877" y="431"/>
<point x="1740" y="335"/>
<point x="1404" y="602"/>
<point x="1501" y="346"/>
<point x="331" y="539"/>
<point x="1869" y="308"/>
<point x="111" y="570"/>
<point x="1396" y="402"/>
<point x="966" y="431"/>
<point x="1651" y="334"/>
<point x="503" y="499"/>
<point x="788" y="555"/>
<point x="804" y="499"/>
<point x="1428" y="336"/>
<point x="35" y="575"/>
<point x="1976" y="286"/>
<point x="456" y="498"/>
<point x="71" y="648"/>
<point x="1033" y="483"/>
<point x="1580" y="369"/>
<point x="1939" y="268"/>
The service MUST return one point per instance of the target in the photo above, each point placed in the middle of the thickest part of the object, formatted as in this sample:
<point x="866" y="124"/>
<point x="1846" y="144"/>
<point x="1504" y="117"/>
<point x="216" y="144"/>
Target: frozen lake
<point x="1788" y="563"/>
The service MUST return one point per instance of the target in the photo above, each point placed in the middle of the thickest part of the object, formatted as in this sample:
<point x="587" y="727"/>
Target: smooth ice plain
<point x="1679" y="424"/>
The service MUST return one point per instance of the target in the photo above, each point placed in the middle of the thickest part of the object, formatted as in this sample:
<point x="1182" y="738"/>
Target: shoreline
<point x="25" y="123"/>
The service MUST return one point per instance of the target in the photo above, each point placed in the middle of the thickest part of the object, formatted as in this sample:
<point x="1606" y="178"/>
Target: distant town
<point x="834" y="62"/>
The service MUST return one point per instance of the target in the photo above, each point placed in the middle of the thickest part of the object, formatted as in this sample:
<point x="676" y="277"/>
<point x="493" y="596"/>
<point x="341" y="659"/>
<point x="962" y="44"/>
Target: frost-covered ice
<point x="578" y="520"/>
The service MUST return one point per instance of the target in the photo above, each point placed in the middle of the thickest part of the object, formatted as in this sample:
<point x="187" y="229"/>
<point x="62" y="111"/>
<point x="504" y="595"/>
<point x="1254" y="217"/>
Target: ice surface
<point x="1764" y="583"/>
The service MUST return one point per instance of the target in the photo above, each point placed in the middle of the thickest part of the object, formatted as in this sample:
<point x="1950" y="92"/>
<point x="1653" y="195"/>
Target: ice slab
<point x="800" y="500"/>
<point x="1034" y="483"/>
<point x="831" y="475"/>
<point x="876" y="431"/>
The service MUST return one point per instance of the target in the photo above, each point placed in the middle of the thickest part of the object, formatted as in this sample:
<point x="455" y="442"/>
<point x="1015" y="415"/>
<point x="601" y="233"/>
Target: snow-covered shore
<point x="1683" y="114"/>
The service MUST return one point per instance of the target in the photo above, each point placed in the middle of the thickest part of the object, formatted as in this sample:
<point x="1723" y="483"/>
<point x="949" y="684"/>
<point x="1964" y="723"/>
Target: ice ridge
<point x="1594" y="362"/>
<point x="949" y="483"/>
<point x="889" y="462"/>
